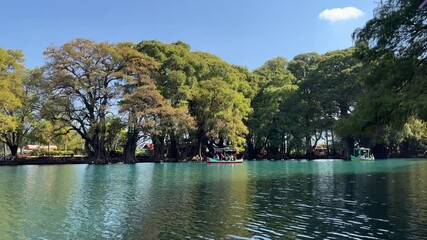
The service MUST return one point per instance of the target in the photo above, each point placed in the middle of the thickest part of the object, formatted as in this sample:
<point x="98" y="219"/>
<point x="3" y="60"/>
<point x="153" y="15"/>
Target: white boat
<point x="362" y="154"/>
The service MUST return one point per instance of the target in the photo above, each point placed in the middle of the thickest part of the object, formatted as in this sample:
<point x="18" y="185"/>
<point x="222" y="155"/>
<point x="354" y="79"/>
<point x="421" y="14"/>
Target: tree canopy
<point x="118" y="96"/>
<point x="10" y="87"/>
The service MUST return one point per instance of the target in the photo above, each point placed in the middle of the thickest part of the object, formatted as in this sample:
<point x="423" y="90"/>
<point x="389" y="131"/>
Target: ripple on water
<point x="255" y="200"/>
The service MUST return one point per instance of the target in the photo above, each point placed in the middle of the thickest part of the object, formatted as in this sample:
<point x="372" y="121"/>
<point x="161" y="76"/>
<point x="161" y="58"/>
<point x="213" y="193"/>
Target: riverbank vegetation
<point x="106" y="99"/>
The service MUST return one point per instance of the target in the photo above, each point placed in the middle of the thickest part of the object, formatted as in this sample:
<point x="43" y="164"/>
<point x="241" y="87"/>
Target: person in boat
<point x="197" y="158"/>
<point x="216" y="156"/>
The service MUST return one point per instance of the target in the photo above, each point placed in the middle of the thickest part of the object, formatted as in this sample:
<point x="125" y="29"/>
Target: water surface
<point x="262" y="200"/>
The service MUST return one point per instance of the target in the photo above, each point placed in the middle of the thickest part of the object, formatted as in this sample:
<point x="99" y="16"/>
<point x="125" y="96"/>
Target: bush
<point x="144" y="152"/>
<point x="40" y="153"/>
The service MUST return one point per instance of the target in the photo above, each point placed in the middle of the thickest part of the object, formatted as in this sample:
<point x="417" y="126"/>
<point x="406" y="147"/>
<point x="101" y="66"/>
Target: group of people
<point x="366" y="156"/>
<point x="197" y="158"/>
<point x="225" y="157"/>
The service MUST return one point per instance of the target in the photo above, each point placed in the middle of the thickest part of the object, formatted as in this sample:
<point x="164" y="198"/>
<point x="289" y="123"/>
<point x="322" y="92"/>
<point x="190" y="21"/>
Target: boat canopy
<point x="361" y="150"/>
<point x="226" y="150"/>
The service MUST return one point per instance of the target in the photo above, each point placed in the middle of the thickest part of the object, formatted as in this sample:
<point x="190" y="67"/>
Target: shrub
<point x="40" y="153"/>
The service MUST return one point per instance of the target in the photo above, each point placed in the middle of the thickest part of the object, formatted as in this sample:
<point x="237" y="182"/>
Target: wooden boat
<point x="362" y="154"/>
<point x="224" y="156"/>
<point x="217" y="161"/>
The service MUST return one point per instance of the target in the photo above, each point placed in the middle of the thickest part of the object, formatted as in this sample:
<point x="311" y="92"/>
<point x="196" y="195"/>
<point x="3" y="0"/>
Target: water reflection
<point x="263" y="200"/>
<point x="341" y="200"/>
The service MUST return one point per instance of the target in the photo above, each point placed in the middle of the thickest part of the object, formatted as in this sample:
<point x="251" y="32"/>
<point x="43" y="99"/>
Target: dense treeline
<point x="103" y="98"/>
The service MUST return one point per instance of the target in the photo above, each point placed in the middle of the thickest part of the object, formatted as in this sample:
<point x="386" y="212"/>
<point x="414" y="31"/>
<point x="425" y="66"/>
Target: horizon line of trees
<point x="103" y="97"/>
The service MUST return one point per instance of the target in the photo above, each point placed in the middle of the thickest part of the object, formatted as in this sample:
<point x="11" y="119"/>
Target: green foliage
<point x="276" y="86"/>
<point x="46" y="153"/>
<point x="10" y="87"/>
<point x="299" y="101"/>
<point x="109" y="96"/>
<point x="26" y="100"/>
<point x="303" y="64"/>
<point x="86" y="79"/>
<point x="398" y="27"/>
<point x="115" y="133"/>
<point x="202" y="87"/>
<point x="392" y="47"/>
<point x="220" y="111"/>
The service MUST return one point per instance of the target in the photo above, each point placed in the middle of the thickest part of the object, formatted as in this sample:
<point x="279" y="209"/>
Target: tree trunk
<point x="273" y="151"/>
<point x="96" y="151"/>
<point x="380" y="151"/>
<point x="288" y="146"/>
<point x="158" y="142"/>
<point x="327" y="142"/>
<point x="88" y="149"/>
<point x="308" y="147"/>
<point x="251" y="150"/>
<point x="173" y="146"/>
<point x="200" y="148"/>
<point x="130" y="147"/>
<point x="221" y="143"/>
<point x="13" y="150"/>
<point x="349" y="145"/>
<point x="200" y="140"/>
<point x="348" y="141"/>
<point x="333" y="143"/>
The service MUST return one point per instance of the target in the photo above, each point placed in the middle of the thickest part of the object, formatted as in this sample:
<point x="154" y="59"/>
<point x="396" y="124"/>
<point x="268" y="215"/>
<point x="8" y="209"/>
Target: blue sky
<point x="243" y="32"/>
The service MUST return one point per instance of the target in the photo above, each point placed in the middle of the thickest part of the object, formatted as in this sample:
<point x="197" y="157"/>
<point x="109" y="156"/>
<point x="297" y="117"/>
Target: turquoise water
<point x="261" y="200"/>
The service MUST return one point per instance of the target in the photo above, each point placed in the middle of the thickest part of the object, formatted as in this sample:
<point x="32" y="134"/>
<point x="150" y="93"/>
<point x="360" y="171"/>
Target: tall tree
<point x="85" y="79"/>
<point x="10" y="86"/>
<point x="219" y="112"/>
<point x="304" y="64"/>
<point x="177" y="75"/>
<point x="19" y="100"/>
<point x="276" y="85"/>
<point x="335" y="89"/>
<point x="184" y="79"/>
<point x="393" y="48"/>
<point x="393" y="44"/>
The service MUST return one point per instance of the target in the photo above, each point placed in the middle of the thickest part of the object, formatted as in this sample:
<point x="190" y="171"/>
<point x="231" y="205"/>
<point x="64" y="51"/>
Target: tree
<point x="19" y="100"/>
<point x="267" y="123"/>
<point x="115" y="132"/>
<point x="220" y="102"/>
<point x="175" y="79"/>
<point x="183" y="81"/>
<point x="303" y="64"/>
<point x="334" y="88"/>
<point x="393" y="46"/>
<point x="219" y="112"/>
<point x="45" y="133"/>
<point x="10" y="86"/>
<point x="85" y="79"/>
<point x="143" y="107"/>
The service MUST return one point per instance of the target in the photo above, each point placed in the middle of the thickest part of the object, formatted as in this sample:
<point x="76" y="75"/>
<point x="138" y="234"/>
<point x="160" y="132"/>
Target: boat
<point x="224" y="156"/>
<point x="362" y="154"/>
<point x="218" y="161"/>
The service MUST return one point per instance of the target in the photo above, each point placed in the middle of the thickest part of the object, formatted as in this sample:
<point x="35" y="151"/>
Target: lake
<point x="385" y="199"/>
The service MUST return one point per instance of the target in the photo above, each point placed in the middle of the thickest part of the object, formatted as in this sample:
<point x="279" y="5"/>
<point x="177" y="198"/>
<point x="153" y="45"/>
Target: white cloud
<point x="340" y="14"/>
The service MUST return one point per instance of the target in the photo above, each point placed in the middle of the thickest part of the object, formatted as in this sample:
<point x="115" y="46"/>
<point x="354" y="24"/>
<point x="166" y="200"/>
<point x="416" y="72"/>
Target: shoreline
<point x="61" y="160"/>
<point x="85" y="160"/>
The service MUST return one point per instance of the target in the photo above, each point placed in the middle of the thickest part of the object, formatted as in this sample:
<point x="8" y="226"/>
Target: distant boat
<point x="217" y="161"/>
<point x="224" y="156"/>
<point x="362" y="154"/>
